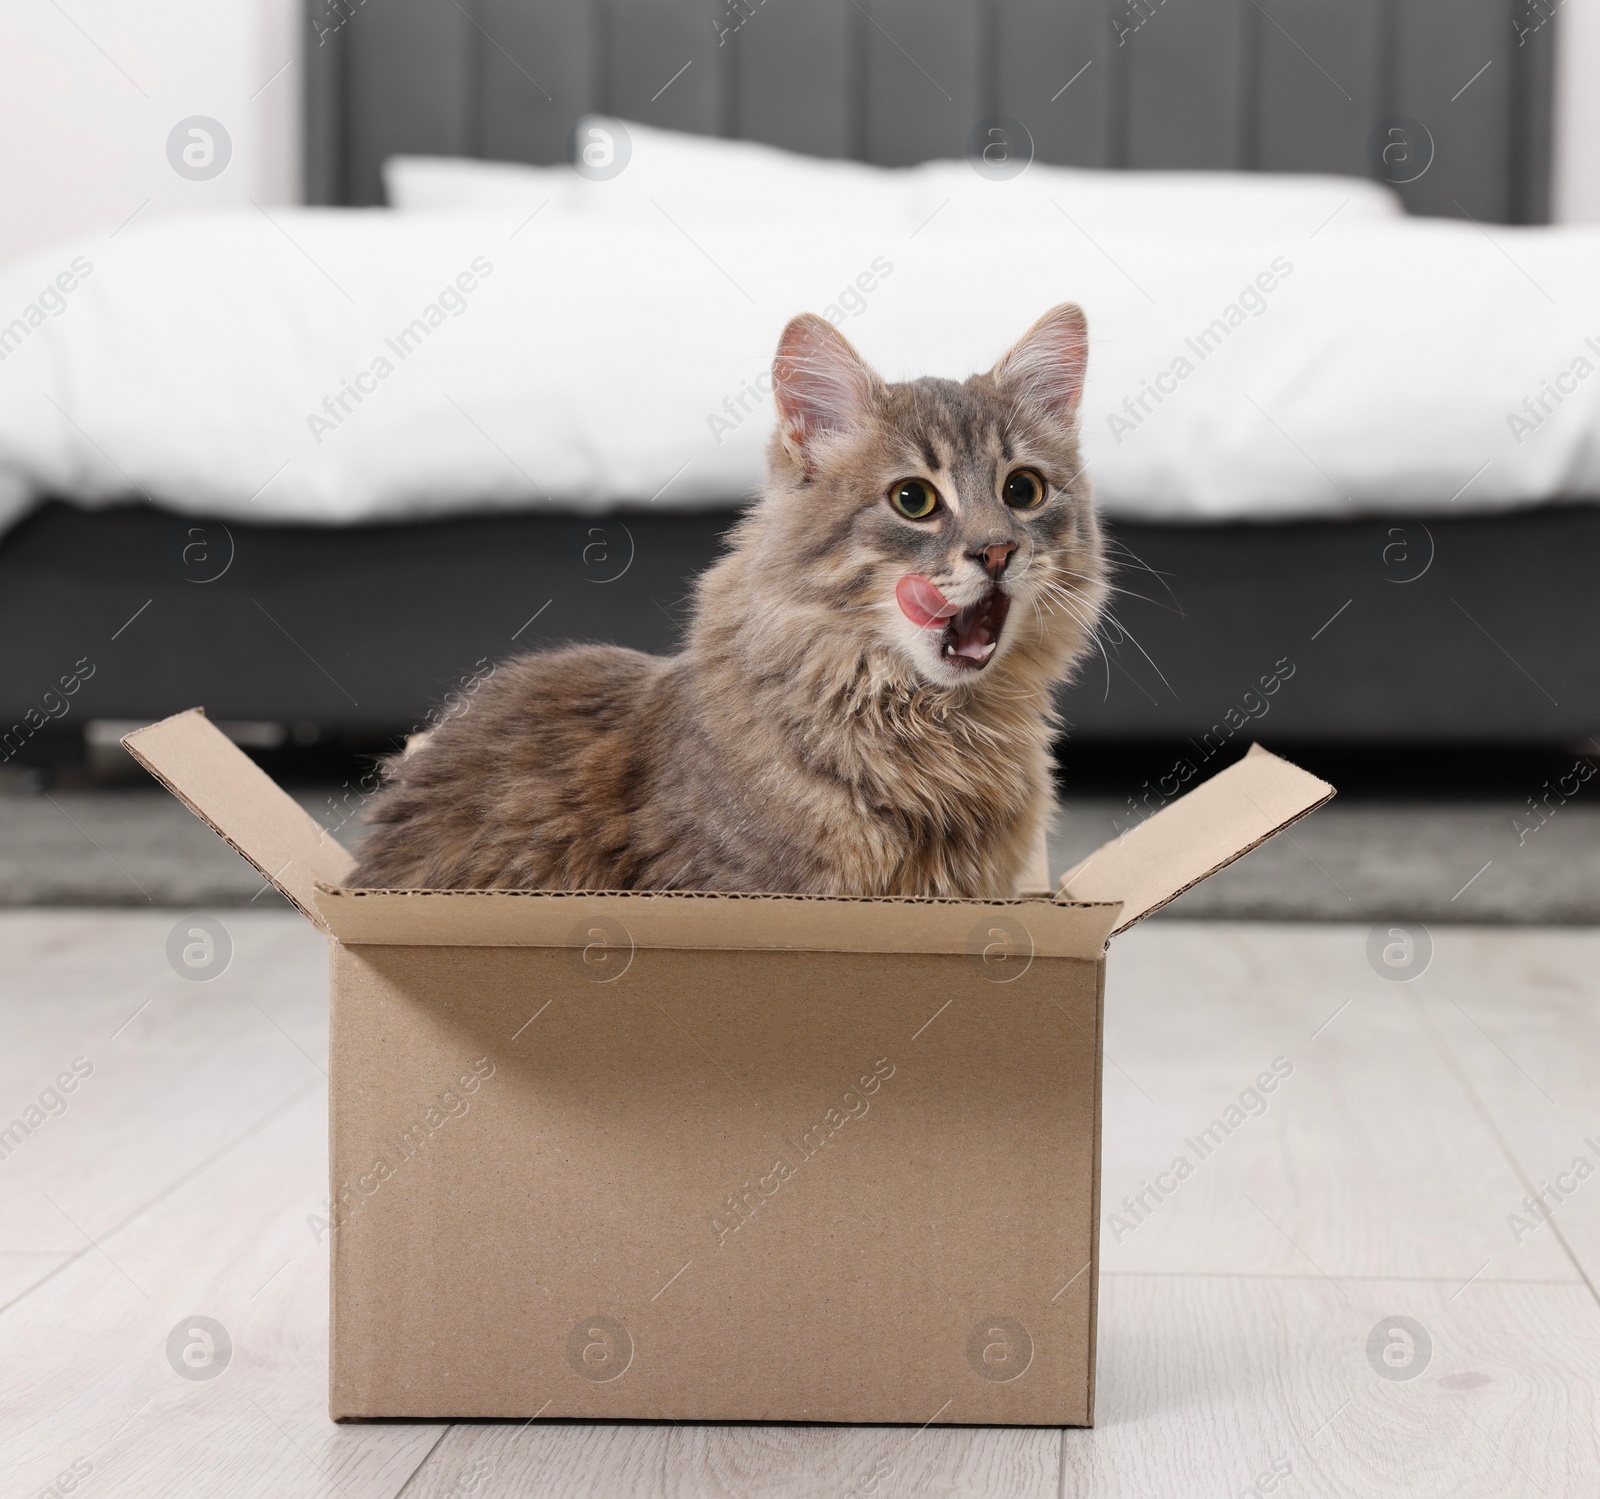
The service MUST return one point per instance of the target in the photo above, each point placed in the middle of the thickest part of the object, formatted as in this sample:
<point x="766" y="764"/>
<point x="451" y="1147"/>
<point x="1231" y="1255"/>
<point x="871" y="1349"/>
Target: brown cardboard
<point x="714" y="1157"/>
<point x="1190" y="839"/>
<point x="690" y="919"/>
<point x="590" y="1179"/>
<point x="239" y="802"/>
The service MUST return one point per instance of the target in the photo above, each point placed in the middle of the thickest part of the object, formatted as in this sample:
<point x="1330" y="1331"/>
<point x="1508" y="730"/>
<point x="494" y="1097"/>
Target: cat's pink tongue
<point x="922" y="603"/>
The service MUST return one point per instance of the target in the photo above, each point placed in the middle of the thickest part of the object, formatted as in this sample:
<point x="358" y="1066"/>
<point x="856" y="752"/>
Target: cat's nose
<point x="994" y="557"/>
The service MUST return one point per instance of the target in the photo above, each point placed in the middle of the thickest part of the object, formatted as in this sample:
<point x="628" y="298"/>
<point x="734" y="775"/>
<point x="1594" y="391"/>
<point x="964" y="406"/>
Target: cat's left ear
<point x="819" y="383"/>
<point x="1046" y="364"/>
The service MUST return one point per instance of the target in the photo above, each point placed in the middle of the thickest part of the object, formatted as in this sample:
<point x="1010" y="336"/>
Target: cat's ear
<point x="1046" y="364"/>
<point x="820" y="384"/>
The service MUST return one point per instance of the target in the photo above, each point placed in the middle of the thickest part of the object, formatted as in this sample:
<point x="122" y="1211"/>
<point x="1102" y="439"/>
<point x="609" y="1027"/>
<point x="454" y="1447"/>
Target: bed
<point x="1416" y="570"/>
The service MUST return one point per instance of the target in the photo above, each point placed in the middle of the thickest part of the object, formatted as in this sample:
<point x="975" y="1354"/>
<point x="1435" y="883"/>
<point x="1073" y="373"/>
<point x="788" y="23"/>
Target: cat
<point x="863" y="705"/>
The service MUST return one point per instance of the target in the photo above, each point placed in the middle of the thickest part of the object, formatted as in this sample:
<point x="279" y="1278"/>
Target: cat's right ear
<point x="820" y="385"/>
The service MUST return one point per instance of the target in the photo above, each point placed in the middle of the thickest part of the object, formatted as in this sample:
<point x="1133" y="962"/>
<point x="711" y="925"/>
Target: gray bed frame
<point x="1270" y="85"/>
<point x="1382" y="631"/>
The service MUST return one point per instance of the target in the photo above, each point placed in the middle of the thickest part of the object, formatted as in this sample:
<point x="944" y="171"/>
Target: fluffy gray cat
<point x="864" y="704"/>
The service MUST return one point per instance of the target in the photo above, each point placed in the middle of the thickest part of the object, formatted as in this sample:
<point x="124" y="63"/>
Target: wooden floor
<point x="186" y="1172"/>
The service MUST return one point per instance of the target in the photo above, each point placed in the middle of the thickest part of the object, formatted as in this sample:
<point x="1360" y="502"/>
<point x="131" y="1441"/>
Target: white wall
<point x="1576" y="195"/>
<point x="94" y="87"/>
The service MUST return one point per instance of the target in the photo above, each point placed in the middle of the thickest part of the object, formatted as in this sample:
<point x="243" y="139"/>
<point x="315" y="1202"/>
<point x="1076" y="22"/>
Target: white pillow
<point x="706" y="176"/>
<point x="696" y="178"/>
<point x="425" y="183"/>
<point x="950" y="195"/>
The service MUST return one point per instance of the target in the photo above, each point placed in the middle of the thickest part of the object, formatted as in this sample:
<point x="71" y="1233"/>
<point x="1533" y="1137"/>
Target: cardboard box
<point x="717" y="1157"/>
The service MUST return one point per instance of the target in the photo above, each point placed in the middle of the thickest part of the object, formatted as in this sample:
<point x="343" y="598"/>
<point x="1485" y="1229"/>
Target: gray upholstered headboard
<point x="1275" y="85"/>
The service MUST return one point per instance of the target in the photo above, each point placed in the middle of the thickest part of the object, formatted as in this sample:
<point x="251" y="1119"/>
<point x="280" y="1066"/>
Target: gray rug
<point x="1369" y="860"/>
<point x="1353" y="861"/>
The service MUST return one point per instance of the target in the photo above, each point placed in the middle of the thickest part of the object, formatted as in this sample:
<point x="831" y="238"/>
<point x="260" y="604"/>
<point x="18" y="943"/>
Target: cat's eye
<point x="914" y="498"/>
<point x="1024" y="490"/>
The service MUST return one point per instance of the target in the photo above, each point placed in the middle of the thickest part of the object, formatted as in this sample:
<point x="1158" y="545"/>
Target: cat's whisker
<point x="1076" y="611"/>
<point x="1114" y="622"/>
<point x="1111" y="587"/>
<point x="1128" y="593"/>
<point x="1116" y="544"/>
<point x="1076" y="607"/>
<point x="1092" y="631"/>
<point x="1054" y="590"/>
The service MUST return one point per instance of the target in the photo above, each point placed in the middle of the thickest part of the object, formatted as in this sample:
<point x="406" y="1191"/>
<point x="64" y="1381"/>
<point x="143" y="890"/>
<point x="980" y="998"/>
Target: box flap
<point x="1192" y="838"/>
<point x="229" y="792"/>
<point x="991" y="931"/>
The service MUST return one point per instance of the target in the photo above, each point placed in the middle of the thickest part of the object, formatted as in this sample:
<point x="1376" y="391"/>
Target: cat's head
<point x="947" y="525"/>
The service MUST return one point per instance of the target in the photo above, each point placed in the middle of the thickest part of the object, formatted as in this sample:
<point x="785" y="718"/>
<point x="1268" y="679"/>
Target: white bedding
<point x="701" y="178"/>
<point x="585" y="360"/>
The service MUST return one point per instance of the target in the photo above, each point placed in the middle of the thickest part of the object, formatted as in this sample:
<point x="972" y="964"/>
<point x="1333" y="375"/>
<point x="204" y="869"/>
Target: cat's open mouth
<point x="973" y="633"/>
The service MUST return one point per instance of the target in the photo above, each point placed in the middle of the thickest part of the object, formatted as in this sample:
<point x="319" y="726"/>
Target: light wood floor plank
<point x="177" y="1067"/>
<point x="566" y="1461"/>
<point x="19" y="1273"/>
<point x="1519" y="1015"/>
<point x="1367" y="1160"/>
<point x="85" y="1369"/>
<point x="177" y="1181"/>
<point x="1205" y="1381"/>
